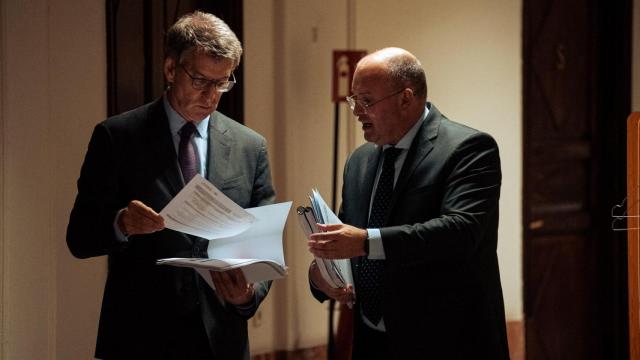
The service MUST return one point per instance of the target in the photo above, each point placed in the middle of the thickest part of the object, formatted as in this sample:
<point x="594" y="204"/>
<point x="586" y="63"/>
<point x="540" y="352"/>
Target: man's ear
<point x="169" y="69"/>
<point x="407" y="98"/>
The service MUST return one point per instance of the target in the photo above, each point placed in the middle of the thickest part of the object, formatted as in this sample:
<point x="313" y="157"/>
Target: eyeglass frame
<point x="353" y="101"/>
<point x="207" y="83"/>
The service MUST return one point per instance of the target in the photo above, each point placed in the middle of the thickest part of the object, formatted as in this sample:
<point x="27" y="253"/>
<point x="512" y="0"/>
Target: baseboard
<point x="515" y="335"/>
<point x="313" y="353"/>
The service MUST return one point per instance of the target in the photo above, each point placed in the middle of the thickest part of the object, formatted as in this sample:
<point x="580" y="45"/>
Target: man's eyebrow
<point x="215" y="79"/>
<point x="360" y="94"/>
<point x="200" y="75"/>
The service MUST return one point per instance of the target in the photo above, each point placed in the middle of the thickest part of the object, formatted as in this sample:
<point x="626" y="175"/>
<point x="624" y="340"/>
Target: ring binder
<point x="337" y="273"/>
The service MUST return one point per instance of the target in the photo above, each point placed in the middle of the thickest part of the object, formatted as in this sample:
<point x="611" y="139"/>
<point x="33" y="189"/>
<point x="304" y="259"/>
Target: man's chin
<point x="369" y="137"/>
<point x="200" y="115"/>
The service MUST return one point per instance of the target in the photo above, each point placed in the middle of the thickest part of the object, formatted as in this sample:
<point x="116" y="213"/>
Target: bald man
<point x="420" y="213"/>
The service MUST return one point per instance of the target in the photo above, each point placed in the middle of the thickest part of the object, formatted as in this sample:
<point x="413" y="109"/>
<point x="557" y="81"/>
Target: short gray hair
<point x="203" y="32"/>
<point x="407" y="71"/>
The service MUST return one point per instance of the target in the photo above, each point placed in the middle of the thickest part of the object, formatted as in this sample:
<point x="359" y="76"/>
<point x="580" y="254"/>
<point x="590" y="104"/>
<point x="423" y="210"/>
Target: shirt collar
<point x="407" y="139"/>
<point x="176" y="121"/>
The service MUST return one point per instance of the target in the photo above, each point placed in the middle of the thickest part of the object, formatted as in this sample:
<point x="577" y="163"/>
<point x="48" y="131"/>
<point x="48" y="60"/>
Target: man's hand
<point x="344" y="295"/>
<point x="232" y="286"/>
<point x="337" y="241"/>
<point x="138" y="218"/>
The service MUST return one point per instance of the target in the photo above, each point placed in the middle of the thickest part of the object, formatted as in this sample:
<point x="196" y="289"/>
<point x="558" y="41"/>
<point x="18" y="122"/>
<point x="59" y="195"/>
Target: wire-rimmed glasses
<point x="199" y="83"/>
<point x="353" y="101"/>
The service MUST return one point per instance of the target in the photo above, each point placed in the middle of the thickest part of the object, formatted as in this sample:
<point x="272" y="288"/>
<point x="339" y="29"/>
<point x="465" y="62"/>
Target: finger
<point x="133" y="220"/>
<point x="231" y="284"/>
<point x="219" y="282"/>
<point x="323" y="254"/>
<point x="349" y="289"/>
<point x="321" y="243"/>
<point x="135" y="225"/>
<point x="233" y="278"/>
<point x="341" y="295"/>
<point x="239" y="278"/>
<point x="323" y="235"/>
<point x="140" y="224"/>
<point x="329" y="227"/>
<point x="140" y="209"/>
<point x="331" y="254"/>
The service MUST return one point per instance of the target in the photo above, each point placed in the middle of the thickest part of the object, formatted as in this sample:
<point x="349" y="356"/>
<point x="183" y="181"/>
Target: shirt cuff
<point x="248" y="308"/>
<point x="116" y="229"/>
<point x="376" y="250"/>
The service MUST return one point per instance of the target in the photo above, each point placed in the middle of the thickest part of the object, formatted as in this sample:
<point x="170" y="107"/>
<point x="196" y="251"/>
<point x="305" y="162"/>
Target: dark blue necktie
<point x="371" y="271"/>
<point x="187" y="152"/>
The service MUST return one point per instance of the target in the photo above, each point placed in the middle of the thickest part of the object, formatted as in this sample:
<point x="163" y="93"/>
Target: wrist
<point x="247" y="299"/>
<point x="120" y="222"/>
<point x="366" y="243"/>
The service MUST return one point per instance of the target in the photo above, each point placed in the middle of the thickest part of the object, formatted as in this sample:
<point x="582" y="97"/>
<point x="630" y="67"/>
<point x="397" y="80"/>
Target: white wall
<point x="53" y="91"/>
<point x="287" y="98"/>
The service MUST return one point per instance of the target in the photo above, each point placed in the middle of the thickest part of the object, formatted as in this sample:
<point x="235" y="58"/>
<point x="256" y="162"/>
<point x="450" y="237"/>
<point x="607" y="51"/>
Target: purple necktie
<point x="371" y="271"/>
<point x="187" y="152"/>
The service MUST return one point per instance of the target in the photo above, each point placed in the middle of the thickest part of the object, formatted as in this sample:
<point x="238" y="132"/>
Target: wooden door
<point x="576" y="97"/>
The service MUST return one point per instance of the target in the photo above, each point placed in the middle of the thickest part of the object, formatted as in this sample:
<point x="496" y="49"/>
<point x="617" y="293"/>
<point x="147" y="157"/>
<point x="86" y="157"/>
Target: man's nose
<point x="210" y="93"/>
<point x="359" y="110"/>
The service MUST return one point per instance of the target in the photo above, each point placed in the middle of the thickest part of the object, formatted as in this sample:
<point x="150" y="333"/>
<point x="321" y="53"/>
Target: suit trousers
<point x="369" y="344"/>
<point x="191" y="343"/>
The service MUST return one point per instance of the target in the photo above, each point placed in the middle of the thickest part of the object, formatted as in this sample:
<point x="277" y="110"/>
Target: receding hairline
<point x="398" y="65"/>
<point x="388" y="55"/>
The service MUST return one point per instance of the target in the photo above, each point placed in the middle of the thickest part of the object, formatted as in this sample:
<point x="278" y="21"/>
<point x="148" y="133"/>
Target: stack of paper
<point x="249" y="239"/>
<point x="337" y="273"/>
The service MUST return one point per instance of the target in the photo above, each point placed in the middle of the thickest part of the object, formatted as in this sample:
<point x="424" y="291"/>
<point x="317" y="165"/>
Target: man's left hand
<point x="337" y="241"/>
<point x="232" y="286"/>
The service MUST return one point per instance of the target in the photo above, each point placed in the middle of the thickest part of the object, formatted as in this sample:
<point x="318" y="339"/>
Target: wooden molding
<point x="313" y="353"/>
<point x="515" y="336"/>
<point x="633" y="233"/>
<point x="2" y="201"/>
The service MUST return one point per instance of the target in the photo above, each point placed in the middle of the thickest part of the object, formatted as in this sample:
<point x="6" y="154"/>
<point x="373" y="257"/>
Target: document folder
<point x="336" y="272"/>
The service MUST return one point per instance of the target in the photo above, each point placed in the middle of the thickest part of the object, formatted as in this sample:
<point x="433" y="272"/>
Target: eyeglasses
<point x="353" y="101"/>
<point x="199" y="83"/>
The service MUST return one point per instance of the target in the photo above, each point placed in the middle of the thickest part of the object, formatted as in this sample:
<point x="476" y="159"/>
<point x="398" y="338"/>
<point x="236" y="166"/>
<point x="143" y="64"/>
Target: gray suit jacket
<point x="132" y="156"/>
<point x="442" y="293"/>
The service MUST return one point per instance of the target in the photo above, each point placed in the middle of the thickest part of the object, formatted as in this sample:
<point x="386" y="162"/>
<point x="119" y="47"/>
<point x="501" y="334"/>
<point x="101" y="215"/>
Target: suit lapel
<point x="161" y="142"/>
<point x="219" y="150"/>
<point x="420" y="148"/>
<point x="367" y="178"/>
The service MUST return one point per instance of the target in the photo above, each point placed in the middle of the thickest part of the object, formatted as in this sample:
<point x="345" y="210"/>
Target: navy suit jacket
<point x="132" y="156"/>
<point x="442" y="294"/>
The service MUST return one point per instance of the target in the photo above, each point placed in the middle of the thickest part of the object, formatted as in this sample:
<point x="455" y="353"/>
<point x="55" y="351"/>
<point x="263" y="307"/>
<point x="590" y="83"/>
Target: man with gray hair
<point x="135" y="164"/>
<point x="420" y="213"/>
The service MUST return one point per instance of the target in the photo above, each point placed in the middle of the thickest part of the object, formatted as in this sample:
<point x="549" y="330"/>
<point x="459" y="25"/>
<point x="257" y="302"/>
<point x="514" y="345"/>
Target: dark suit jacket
<point x="132" y="156"/>
<point x="443" y="297"/>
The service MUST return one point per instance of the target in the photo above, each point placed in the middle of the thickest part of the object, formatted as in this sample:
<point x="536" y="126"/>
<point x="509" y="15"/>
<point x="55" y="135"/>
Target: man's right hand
<point x="344" y="295"/>
<point x="138" y="218"/>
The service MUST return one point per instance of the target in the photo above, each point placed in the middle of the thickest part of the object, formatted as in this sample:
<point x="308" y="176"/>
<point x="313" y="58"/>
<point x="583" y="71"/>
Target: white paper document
<point x="249" y="239"/>
<point x="201" y="209"/>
